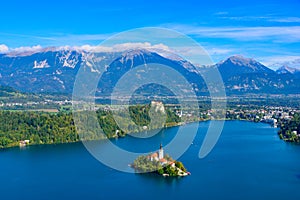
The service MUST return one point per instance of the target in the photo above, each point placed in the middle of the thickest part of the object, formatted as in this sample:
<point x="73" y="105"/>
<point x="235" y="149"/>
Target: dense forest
<point x="38" y="127"/>
<point x="53" y="128"/>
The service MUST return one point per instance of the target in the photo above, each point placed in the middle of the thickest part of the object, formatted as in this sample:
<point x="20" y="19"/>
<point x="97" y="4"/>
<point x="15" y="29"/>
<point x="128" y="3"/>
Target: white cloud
<point x="3" y="48"/>
<point x="57" y="39"/>
<point x="221" y="13"/>
<point x="219" y="51"/>
<point x="275" y="62"/>
<point x="122" y="47"/>
<point x="75" y="39"/>
<point x="27" y="48"/>
<point x="274" y="33"/>
<point x="192" y="53"/>
<point x="246" y="18"/>
<point x="89" y="48"/>
<point x="265" y="18"/>
<point x="286" y="19"/>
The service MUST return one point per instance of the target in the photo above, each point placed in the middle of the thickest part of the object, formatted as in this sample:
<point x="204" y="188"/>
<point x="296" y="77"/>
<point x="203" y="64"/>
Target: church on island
<point x="159" y="156"/>
<point x="161" y="163"/>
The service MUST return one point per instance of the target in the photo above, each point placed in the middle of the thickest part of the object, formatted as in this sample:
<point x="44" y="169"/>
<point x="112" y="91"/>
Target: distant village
<point x="47" y="103"/>
<point x="270" y="115"/>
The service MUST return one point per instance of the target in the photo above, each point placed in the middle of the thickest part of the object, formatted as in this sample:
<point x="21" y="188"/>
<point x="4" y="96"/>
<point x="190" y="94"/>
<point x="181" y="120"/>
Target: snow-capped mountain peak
<point x="286" y="69"/>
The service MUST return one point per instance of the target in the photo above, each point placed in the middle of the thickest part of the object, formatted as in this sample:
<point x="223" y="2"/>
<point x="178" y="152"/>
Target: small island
<point x="160" y="164"/>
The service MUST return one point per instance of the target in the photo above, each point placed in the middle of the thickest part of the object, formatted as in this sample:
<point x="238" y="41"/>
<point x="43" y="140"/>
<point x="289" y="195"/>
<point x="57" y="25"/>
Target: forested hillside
<point x="53" y="128"/>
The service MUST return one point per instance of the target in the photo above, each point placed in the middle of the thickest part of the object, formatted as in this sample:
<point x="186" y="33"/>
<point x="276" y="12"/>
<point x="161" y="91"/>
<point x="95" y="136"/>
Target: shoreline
<point x="109" y="138"/>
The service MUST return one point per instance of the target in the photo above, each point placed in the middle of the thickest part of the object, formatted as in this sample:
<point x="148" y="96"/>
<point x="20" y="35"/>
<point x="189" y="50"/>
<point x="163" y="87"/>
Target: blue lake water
<point x="248" y="162"/>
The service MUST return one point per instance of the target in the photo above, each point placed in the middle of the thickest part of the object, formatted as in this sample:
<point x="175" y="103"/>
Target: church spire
<point x="160" y="152"/>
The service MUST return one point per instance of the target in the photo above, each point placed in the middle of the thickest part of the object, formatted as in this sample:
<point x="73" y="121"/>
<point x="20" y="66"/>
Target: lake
<point x="248" y="162"/>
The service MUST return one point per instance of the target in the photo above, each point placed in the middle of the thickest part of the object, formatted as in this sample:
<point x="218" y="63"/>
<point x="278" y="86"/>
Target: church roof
<point x="154" y="155"/>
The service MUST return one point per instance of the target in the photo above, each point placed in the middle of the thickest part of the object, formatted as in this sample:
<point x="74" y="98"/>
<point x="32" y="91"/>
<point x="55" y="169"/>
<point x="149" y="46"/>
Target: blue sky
<point x="268" y="31"/>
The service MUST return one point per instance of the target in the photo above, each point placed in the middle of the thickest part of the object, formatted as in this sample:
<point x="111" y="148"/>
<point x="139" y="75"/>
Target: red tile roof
<point x="154" y="155"/>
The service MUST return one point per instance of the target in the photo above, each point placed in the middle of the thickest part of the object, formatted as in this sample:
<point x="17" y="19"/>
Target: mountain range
<point x="54" y="70"/>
